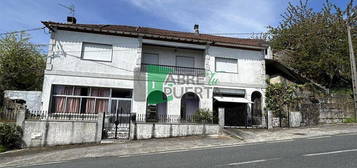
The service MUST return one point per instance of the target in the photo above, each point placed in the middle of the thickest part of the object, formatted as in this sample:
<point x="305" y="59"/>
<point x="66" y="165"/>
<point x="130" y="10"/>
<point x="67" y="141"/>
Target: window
<point x="88" y="100"/>
<point x="150" y="58"/>
<point x="182" y="61"/>
<point x="226" y="65"/>
<point x="98" y="52"/>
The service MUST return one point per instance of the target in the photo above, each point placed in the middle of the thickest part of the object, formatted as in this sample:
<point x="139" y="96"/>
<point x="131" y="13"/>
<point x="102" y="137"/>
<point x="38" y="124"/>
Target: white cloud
<point x="216" y="16"/>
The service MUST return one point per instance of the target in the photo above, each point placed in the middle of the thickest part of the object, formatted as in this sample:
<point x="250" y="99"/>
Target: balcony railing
<point x="173" y="69"/>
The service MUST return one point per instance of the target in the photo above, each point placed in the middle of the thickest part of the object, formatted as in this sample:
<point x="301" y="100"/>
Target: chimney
<point x="71" y="20"/>
<point x="196" y="28"/>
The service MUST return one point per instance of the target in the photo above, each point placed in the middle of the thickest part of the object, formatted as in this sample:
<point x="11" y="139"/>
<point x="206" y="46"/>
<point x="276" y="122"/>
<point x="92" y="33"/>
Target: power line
<point x="20" y="31"/>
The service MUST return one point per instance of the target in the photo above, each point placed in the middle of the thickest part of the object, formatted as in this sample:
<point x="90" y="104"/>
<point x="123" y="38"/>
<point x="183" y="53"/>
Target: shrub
<point x="2" y="149"/>
<point x="203" y="115"/>
<point x="349" y="120"/>
<point x="10" y="136"/>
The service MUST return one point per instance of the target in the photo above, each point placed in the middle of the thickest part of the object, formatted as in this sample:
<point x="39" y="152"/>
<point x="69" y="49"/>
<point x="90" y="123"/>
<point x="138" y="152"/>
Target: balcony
<point x="154" y="68"/>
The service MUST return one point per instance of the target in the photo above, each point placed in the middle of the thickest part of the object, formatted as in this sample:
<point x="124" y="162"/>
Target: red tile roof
<point x="154" y="33"/>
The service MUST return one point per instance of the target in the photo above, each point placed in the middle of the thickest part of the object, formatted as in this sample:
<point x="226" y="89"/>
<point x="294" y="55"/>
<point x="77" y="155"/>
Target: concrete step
<point x="232" y="133"/>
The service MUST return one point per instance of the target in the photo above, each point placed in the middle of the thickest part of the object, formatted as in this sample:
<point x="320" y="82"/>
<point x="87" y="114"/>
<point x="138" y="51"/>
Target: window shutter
<point x="98" y="52"/>
<point x="182" y="61"/>
<point x="150" y="58"/>
<point x="226" y="65"/>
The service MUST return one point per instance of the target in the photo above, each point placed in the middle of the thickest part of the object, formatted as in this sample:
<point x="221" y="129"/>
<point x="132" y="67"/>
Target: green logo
<point x="211" y="78"/>
<point x="156" y="78"/>
<point x="163" y="87"/>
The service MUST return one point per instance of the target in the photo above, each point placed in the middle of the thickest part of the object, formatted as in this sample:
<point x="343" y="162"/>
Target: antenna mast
<point x="71" y="8"/>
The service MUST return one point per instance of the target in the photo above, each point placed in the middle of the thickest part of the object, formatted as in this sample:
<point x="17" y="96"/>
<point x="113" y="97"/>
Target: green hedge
<point x="10" y="136"/>
<point x="203" y="116"/>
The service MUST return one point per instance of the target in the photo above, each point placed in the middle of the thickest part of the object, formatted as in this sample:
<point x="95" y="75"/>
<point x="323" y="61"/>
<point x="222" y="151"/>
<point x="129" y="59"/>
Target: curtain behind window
<point x="99" y="105"/>
<point x="90" y="105"/>
<point x="60" y="103"/>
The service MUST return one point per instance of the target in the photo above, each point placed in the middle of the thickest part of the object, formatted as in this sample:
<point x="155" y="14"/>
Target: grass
<point x="341" y="91"/>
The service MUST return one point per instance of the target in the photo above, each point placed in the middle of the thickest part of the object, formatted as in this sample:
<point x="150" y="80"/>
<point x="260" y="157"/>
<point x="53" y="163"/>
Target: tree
<point x="279" y="97"/>
<point x="21" y="64"/>
<point x="315" y="42"/>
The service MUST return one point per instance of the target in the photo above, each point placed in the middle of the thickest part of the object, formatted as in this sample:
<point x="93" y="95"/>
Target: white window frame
<point x="101" y="60"/>
<point x="215" y="63"/>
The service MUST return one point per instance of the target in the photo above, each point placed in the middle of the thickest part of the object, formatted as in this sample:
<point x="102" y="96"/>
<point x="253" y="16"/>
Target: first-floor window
<point x="89" y="100"/>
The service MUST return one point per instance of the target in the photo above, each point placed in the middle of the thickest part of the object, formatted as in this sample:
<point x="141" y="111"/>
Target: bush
<point x="203" y="115"/>
<point x="349" y="120"/>
<point x="2" y="149"/>
<point x="10" y="136"/>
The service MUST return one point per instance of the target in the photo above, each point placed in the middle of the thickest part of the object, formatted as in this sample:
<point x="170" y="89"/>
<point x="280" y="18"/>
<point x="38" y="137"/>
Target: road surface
<point x="319" y="152"/>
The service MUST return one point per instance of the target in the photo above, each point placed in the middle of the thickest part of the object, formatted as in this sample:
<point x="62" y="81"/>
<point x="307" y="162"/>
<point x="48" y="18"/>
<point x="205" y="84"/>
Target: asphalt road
<point x="321" y="152"/>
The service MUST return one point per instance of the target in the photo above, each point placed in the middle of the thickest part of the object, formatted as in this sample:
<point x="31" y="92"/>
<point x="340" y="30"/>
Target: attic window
<point x="97" y="52"/>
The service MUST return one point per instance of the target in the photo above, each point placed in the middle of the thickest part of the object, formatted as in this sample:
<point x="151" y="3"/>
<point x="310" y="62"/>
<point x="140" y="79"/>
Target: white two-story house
<point x="106" y="68"/>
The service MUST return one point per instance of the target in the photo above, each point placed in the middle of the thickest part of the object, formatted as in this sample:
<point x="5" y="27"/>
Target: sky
<point x="213" y="16"/>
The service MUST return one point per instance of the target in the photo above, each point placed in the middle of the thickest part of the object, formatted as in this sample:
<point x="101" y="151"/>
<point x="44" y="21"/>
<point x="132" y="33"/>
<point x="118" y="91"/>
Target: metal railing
<point x="44" y="115"/>
<point x="175" y="69"/>
<point x="171" y="119"/>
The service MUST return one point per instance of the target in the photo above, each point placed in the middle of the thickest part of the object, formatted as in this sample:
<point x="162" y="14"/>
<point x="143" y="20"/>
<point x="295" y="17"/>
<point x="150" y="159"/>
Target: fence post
<point x="204" y="128"/>
<point x="269" y="119"/>
<point x="21" y="115"/>
<point x="100" y="121"/>
<point x="221" y="117"/>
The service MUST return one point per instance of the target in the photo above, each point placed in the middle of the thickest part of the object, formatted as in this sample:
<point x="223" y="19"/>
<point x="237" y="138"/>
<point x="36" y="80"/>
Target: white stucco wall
<point x="32" y="98"/>
<point x="66" y="67"/>
<point x="68" y="50"/>
<point x="251" y="67"/>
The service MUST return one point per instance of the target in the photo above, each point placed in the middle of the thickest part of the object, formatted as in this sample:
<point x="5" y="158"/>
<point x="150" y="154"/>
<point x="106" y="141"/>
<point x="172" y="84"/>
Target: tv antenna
<point x="71" y="8"/>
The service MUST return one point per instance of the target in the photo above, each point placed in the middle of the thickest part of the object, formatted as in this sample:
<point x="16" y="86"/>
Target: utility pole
<point x="353" y="70"/>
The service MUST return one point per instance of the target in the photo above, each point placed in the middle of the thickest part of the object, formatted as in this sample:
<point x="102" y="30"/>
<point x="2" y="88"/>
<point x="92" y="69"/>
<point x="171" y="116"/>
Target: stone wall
<point x="328" y="110"/>
<point x="163" y="130"/>
<point x="50" y="133"/>
<point x="46" y="132"/>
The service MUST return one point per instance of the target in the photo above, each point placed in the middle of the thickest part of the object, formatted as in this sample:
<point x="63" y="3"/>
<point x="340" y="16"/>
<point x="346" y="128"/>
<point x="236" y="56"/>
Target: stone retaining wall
<point x="50" y="133"/>
<point x="327" y="110"/>
<point x="46" y="132"/>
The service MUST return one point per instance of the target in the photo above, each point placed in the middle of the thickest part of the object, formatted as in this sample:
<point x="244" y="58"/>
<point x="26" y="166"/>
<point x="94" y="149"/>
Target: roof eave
<point x="134" y="34"/>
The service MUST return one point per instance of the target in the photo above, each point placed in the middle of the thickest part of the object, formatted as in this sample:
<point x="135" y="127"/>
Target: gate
<point x="235" y="115"/>
<point x="117" y="121"/>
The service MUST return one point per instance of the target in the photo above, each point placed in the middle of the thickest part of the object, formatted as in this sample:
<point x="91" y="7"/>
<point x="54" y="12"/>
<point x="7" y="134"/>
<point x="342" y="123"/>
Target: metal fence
<point x="172" y="119"/>
<point x="8" y="115"/>
<point x="44" y="115"/>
